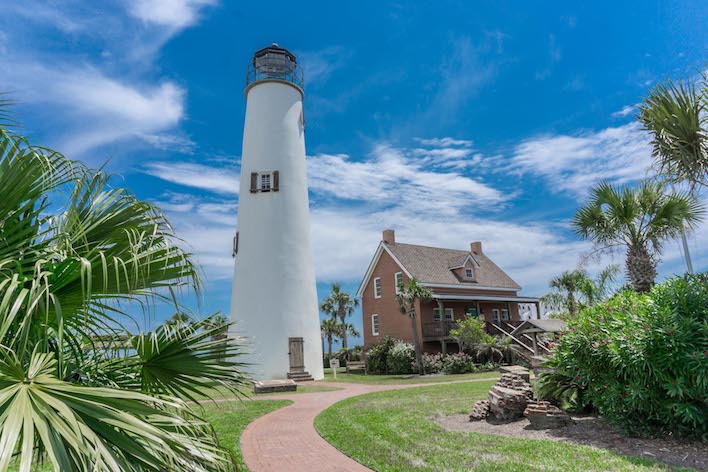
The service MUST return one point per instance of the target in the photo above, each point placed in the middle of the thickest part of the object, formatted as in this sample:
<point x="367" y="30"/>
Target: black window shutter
<point x="235" y="249"/>
<point x="276" y="180"/>
<point x="254" y="182"/>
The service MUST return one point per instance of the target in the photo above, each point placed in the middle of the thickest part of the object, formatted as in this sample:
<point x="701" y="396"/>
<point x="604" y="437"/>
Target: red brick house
<point x="463" y="282"/>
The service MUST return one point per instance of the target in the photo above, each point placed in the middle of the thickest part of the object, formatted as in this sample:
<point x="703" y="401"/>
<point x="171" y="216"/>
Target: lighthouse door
<point x="297" y="356"/>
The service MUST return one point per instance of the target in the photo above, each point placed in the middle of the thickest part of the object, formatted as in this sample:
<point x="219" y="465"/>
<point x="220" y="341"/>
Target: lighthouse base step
<point x="300" y="376"/>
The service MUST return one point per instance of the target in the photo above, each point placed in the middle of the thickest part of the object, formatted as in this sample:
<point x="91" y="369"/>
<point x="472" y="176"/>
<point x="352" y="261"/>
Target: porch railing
<point x="438" y="329"/>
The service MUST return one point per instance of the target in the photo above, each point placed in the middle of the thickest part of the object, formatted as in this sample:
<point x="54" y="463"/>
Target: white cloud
<point x="624" y="111"/>
<point x="444" y="142"/>
<point x="391" y="175"/>
<point x="214" y="179"/>
<point x="174" y="14"/>
<point x="575" y="162"/>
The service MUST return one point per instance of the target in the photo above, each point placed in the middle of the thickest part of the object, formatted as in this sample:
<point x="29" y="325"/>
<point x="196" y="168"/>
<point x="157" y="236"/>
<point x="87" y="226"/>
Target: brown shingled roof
<point x="432" y="265"/>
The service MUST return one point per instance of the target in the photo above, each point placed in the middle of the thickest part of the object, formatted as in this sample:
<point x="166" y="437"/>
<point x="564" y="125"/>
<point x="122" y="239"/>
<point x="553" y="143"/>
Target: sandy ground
<point x="592" y="431"/>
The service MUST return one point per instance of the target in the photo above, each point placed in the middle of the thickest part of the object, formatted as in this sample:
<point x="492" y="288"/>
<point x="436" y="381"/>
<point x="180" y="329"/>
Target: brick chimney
<point x="476" y="247"/>
<point x="389" y="236"/>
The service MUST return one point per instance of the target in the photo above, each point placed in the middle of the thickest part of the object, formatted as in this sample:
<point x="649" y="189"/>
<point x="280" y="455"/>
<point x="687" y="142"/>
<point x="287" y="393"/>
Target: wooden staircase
<point x="524" y="342"/>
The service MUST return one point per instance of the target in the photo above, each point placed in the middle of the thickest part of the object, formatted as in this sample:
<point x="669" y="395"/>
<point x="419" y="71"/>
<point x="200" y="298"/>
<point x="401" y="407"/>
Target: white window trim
<point x="436" y="314"/>
<point x="452" y="314"/>
<point x="261" y="175"/>
<point x="395" y="281"/>
<point x="507" y="314"/>
<point x="471" y="274"/>
<point x="379" y="289"/>
<point x="375" y="326"/>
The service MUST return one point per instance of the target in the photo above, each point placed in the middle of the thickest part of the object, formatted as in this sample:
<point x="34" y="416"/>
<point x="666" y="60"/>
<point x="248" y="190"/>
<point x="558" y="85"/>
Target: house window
<point x="377" y="287"/>
<point x="265" y="182"/>
<point x="374" y="325"/>
<point x="505" y="314"/>
<point x="449" y="314"/>
<point x="398" y="280"/>
<point x="469" y="273"/>
<point x="495" y="315"/>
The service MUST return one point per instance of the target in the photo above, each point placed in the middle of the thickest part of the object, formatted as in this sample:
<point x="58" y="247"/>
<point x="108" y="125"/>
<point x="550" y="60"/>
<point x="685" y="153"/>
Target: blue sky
<point x="448" y="121"/>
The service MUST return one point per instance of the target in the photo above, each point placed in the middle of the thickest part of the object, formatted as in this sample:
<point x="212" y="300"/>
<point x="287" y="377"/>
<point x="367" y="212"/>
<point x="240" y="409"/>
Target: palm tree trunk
<point x="344" y="332"/>
<point x="416" y="343"/>
<point x="572" y="309"/>
<point x="641" y="268"/>
<point x="329" y="346"/>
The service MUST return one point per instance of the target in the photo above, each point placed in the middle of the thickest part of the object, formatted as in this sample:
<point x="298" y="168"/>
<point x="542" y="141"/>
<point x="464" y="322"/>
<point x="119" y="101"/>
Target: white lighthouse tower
<point x="274" y="298"/>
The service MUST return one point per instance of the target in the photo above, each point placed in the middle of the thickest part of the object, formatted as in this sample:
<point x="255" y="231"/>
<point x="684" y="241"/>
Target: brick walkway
<point x="285" y="440"/>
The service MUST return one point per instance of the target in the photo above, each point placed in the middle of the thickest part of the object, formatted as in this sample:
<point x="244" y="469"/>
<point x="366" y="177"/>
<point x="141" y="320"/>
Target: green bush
<point x="458" y="363"/>
<point x="376" y="356"/>
<point x="401" y="358"/>
<point x="641" y="359"/>
<point x="432" y="363"/>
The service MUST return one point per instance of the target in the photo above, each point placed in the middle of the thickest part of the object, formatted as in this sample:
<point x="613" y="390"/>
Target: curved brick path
<point x="285" y="440"/>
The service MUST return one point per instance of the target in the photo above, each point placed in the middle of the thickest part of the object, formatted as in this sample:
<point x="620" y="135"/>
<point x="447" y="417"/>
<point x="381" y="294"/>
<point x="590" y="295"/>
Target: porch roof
<point x="539" y="326"/>
<point x="483" y="298"/>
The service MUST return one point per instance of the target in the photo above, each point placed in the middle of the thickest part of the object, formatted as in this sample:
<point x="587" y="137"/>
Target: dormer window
<point x="469" y="273"/>
<point x="268" y="181"/>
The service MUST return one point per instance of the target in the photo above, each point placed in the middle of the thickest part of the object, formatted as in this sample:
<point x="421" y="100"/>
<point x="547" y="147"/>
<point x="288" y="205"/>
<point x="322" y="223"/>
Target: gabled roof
<point x="433" y="266"/>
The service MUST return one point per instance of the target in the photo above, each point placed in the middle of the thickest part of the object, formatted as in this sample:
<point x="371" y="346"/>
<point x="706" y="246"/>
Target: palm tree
<point x="340" y="305"/>
<point x="219" y="324"/>
<point x="566" y="290"/>
<point x="575" y="289"/>
<point x="488" y="348"/>
<point x="639" y="220"/>
<point x="178" y="318"/>
<point x="408" y="296"/>
<point x="676" y="116"/>
<point x="331" y="330"/>
<point x="75" y="255"/>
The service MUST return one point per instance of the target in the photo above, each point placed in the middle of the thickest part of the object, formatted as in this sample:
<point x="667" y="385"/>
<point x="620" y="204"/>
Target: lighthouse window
<point x="265" y="182"/>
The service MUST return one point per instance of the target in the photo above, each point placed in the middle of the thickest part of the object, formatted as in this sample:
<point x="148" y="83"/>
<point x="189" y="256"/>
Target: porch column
<point x="443" y="326"/>
<point x="535" y="343"/>
<point x="538" y="310"/>
<point x="508" y="310"/>
<point x="444" y="347"/>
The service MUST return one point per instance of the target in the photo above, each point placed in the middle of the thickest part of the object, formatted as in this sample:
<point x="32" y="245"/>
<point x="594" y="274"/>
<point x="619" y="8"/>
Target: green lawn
<point x="230" y="419"/>
<point x="392" y="431"/>
<point x="342" y="376"/>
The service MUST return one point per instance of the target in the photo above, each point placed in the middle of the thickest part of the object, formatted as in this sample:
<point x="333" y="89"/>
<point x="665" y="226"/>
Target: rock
<point x="516" y="370"/>
<point x="506" y="404"/>
<point x="543" y="415"/>
<point x="271" y="386"/>
<point x="480" y="410"/>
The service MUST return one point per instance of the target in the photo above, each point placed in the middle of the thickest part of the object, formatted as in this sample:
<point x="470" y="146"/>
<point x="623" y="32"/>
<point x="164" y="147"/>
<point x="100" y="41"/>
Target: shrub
<point x="401" y="358"/>
<point x="376" y="356"/>
<point x="468" y="332"/>
<point x="458" y="363"/>
<point x="432" y="363"/>
<point x="642" y="359"/>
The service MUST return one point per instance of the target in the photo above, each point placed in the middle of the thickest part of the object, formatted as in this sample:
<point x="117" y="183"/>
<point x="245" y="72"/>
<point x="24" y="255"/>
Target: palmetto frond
<point x="675" y="115"/>
<point x="87" y="428"/>
<point x="185" y="361"/>
<point x="70" y="268"/>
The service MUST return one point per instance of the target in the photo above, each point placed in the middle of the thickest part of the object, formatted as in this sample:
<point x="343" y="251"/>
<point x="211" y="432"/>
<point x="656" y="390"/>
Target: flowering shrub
<point x="376" y="356"/>
<point x="641" y="359"/>
<point x="458" y="363"/>
<point x="401" y="358"/>
<point x="433" y="363"/>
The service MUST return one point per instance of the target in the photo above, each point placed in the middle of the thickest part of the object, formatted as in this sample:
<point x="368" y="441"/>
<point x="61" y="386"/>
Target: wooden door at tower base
<point x="297" y="354"/>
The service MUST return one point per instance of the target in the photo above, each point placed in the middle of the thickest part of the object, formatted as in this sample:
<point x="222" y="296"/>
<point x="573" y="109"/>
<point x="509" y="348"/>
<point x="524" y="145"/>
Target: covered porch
<point x="440" y="316"/>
